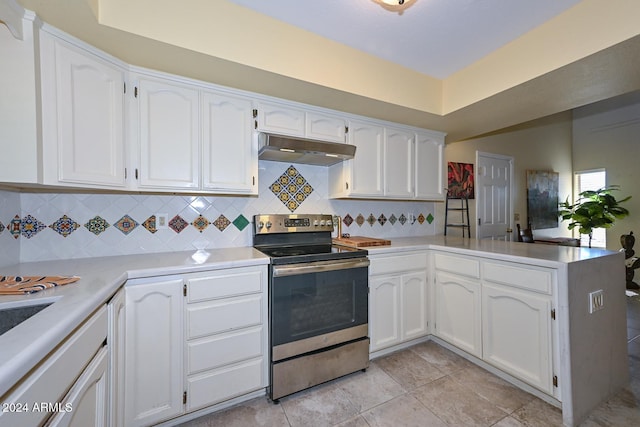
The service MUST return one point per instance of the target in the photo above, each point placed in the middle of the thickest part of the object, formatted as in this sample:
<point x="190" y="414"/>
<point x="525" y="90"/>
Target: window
<point x="591" y="180"/>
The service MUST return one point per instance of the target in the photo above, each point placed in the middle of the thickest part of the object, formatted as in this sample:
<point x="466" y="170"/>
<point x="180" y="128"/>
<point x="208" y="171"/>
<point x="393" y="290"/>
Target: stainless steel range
<point x="318" y="302"/>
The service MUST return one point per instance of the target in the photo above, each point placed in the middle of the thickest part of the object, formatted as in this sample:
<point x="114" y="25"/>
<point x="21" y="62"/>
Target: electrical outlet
<point x="516" y="217"/>
<point x="162" y="221"/>
<point x="596" y="301"/>
<point x="411" y="217"/>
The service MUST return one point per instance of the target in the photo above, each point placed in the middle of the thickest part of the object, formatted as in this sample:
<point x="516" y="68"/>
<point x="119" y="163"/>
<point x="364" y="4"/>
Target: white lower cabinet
<point x="457" y="316"/>
<point x="500" y="312"/>
<point x="74" y="374"/>
<point x="397" y="299"/>
<point x="205" y="332"/>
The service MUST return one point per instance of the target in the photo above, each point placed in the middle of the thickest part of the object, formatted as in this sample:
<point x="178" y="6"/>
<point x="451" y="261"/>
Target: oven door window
<point x="307" y="305"/>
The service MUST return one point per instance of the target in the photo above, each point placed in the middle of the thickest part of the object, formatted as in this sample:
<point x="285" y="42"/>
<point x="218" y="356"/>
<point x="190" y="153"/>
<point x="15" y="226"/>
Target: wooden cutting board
<point x="361" y="242"/>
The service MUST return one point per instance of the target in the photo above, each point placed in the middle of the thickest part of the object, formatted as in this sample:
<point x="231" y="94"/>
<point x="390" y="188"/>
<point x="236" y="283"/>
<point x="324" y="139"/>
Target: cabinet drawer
<point x="219" y="350"/>
<point x="225" y="315"/>
<point x="223" y="384"/>
<point x="55" y="375"/>
<point x="398" y="263"/>
<point x="223" y="284"/>
<point x="530" y="277"/>
<point x="457" y="264"/>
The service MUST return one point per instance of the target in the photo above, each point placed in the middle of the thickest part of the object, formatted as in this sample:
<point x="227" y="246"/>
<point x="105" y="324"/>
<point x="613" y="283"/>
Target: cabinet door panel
<point x="169" y="135"/>
<point x="414" y="305"/>
<point x="90" y="116"/>
<point x="458" y="315"/>
<point x="399" y="164"/>
<point x="280" y="119"/>
<point x="517" y="333"/>
<point x="366" y="167"/>
<point x="154" y="346"/>
<point x="229" y="153"/>
<point x="223" y="349"/>
<point x="429" y="167"/>
<point x="326" y="128"/>
<point x="86" y="402"/>
<point x="384" y="315"/>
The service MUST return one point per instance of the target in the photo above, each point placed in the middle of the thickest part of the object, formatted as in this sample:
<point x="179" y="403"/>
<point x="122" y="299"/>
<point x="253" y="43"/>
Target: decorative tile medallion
<point x="382" y="219"/>
<point x="221" y="222"/>
<point x="360" y="220"/>
<point x="430" y="218"/>
<point x="347" y="220"/>
<point x="31" y="226"/>
<point x="96" y="225"/>
<point x="126" y="224"/>
<point x="371" y="219"/>
<point x="150" y="224"/>
<point x="1" y="227"/>
<point x="14" y="226"/>
<point x="421" y="219"/>
<point x="392" y="219"/>
<point x="241" y="222"/>
<point x="200" y="223"/>
<point x="64" y="226"/>
<point x="402" y="219"/>
<point x="178" y="224"/>
<point x="291" y="188"/>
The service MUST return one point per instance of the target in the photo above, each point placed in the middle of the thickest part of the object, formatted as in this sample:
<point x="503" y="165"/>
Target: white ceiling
<point x="434" y="37"/>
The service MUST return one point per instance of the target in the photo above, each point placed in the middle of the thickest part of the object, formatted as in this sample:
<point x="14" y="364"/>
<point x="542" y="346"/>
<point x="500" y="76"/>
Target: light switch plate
<point x="162" y="221"/>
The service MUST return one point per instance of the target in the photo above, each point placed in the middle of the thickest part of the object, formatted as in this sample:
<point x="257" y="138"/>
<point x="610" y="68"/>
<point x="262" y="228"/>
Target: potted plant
<point x="593" y="209"/>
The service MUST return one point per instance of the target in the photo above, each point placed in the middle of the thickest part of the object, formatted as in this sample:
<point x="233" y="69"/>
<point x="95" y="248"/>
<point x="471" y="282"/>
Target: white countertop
<point x="537" y="254"/>
<point x="22" y="347"/>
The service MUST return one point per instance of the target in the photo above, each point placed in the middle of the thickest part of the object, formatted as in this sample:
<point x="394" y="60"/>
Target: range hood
<point x="291" y="149"/>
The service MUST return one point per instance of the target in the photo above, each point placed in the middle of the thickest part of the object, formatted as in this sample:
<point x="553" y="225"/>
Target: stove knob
<point x="322" y="222"/>
<point x="315" y="223"/>
<point x="260" y="225"/>
<point x="268" y="225"/>
<point x="329" y="223"/>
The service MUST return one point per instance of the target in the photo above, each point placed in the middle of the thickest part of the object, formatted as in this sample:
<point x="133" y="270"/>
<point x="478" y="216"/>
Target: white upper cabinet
<point x="399" y="163"/>
<point x="325" y="127"/>
<point x="282" y="119"/>
<point x="229" y="151"/>
<point x="390" y="163"/>
<point x="192" y="139"/>
<point x="429" y="167"/>
<point x="82" y="98"/>
<point x="361" y="176"/>
<point x="289" y="119"/>
<point x="168" y="134"/>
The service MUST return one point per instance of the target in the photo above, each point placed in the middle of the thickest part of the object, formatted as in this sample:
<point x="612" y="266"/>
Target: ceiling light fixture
<point x="395" y="5"/>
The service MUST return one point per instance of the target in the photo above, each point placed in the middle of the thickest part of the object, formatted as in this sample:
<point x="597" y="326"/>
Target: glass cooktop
<point x="309" y="253"/>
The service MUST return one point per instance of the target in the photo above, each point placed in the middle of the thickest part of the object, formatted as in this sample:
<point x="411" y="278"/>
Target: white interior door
<point x="494" y="174"/>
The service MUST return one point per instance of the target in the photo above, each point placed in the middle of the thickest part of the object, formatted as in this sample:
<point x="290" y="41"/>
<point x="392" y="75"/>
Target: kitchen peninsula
<point x="584" y="353"/>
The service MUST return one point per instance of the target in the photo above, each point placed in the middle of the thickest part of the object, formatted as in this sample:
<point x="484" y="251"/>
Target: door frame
<point x="510" y="159"/>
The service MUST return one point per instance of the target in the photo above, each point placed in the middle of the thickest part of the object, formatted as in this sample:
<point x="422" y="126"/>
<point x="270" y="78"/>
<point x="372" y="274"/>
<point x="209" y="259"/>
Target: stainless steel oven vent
<point x="300" y="150"/>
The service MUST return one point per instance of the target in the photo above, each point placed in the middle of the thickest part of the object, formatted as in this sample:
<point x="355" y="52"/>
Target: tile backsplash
<point x="46" y="226"/>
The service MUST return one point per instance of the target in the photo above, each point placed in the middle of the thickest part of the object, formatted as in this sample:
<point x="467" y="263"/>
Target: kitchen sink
<point x="13" y="316"/>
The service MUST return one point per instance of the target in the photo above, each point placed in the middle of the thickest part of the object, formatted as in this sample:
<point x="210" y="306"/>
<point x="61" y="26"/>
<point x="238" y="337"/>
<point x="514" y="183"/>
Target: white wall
<point x="607" y="135"/>
<point x="543" y="144"/>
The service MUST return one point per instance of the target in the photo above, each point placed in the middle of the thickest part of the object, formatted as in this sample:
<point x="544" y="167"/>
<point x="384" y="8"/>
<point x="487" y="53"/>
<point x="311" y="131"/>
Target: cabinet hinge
<point x="125" y="173"/>
<point x="346" y="185"/>
<point x="136" y="173"/>
<point x="125" y="87"/>
<point x="254" y="180"/>
<point x="135" y="91"/>
<point x="346" y="129"/>
<point x="555" y="381"/>
<point x="184" y="398"/>
<point x="255" y="124"/>
<point x="553" y="313"/>
<point x="255" y="113"/>
<point x="184" y="290"/>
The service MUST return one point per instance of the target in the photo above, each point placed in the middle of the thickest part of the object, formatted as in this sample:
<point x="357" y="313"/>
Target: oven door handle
<point x="318" y="267"/>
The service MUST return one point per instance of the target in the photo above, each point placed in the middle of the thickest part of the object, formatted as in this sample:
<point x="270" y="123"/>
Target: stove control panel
<point x="294" y="223"/>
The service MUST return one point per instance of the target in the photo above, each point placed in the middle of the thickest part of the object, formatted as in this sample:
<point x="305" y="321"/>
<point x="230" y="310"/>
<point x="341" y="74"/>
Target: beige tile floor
<point x="427" y="385"/>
